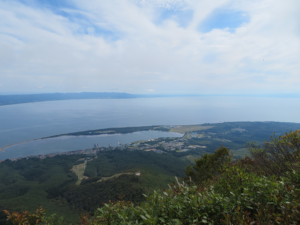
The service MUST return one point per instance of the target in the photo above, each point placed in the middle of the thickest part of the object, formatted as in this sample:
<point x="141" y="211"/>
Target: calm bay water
<point x="70" y="143"/>
<point x="35" y="120"/>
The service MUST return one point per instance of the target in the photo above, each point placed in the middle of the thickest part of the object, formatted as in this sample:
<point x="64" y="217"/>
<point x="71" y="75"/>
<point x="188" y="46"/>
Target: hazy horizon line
<point x="289" y="95"/>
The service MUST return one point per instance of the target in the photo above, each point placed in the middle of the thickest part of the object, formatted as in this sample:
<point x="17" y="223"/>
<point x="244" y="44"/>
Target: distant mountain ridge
<point x="26" y="98"/>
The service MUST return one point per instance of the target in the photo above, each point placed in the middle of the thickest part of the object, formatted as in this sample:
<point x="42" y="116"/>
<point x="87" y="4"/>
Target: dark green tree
<point x="209" y="165"/>
<point x="279" y="156"/>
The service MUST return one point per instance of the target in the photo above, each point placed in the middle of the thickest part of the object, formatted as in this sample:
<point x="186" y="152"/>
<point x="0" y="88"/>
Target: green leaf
<point x="143" y="217"/>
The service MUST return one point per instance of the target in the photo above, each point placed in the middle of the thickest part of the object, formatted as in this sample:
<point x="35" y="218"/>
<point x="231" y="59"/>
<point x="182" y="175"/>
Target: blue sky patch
<point x="181" y="17"/>
<point x="89" y="27"/>
<point x="69" y="11"/>
<point x="210" y="58"/>
<point x="48" y="3"/>
<point x="224" y="18"/>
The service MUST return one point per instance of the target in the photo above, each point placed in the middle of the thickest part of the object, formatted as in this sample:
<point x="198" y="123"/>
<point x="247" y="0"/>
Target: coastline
<point x="100" y="132"/>
<point x="179" y="129"/>
<point x="7" y="146"/>
<point x="86" y="151"/>
<point x="116" y="130"/>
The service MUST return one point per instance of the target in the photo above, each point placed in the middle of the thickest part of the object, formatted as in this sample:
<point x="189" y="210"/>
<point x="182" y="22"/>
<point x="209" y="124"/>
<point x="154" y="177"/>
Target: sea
<point x="28" y="121"/>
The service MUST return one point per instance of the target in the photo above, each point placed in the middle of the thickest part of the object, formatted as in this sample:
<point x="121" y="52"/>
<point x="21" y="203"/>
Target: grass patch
<point x="79" y="171"/>
<point x="184" y="129"/>
<point x="114" y="176"/>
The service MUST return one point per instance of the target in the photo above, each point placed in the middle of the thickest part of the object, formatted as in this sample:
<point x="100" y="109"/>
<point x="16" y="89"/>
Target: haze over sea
<point x="28" y="121"/>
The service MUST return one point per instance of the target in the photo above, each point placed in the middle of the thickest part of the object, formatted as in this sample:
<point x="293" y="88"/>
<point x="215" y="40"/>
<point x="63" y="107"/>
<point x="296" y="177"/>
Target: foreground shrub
<point x="278" y="156"/>
<point x="236" y="197"/>
<point x="33" y="219"/>
<point x="208" y="166"/>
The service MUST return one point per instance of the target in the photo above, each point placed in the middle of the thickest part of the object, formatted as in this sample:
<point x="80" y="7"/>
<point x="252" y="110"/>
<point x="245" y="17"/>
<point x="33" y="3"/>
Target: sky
<point x="220" y="47"/>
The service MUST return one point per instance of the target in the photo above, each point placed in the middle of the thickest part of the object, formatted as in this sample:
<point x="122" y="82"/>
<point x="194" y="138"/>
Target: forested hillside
<point x="28" y="184"/>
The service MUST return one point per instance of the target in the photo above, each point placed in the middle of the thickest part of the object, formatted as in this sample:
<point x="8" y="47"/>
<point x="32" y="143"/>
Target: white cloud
<point x="169" y="4"/>
<point x="117" y="44"/>
<point x="150" y="90"/>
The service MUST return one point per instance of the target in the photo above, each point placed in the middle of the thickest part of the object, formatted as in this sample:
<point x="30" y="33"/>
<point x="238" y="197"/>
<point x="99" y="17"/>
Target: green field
<point x="184" y="129"/>
<point x="79" y="171"/>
